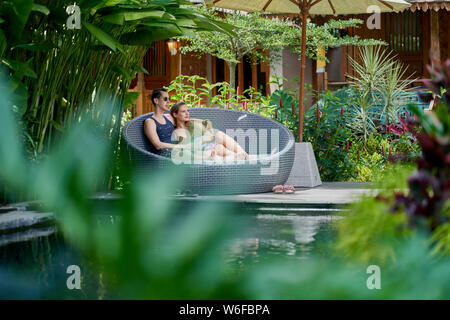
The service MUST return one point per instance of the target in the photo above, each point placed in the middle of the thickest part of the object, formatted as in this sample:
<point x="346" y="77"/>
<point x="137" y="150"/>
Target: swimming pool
<point x="36" y="267"/>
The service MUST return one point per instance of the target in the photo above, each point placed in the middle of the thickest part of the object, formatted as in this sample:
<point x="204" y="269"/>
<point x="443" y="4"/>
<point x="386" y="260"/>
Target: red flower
<point x="348" y="145"/>
<point x="275" y="113"/>
<point x="382" y="150"/>
<point x="359" y="154"/>
<point x="293" y="108"/>
<point x="405" y="127"/>
<point x="281" y="103"/>
<point x="342" y="111"/>
<point x="318" y="113"/>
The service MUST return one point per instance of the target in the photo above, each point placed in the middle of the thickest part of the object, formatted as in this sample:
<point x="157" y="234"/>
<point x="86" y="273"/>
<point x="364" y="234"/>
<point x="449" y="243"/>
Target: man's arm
<point x="152" y="135"/>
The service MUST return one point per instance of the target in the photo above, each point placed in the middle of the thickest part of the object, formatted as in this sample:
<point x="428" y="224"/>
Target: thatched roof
<point x="425" y="5"/>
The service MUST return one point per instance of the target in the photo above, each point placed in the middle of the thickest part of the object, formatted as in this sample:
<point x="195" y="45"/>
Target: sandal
<point x="188" y="193"/>
<point x="184" y="193"/>
<point x="288" y="189"/>
<point x="278" y="189"/>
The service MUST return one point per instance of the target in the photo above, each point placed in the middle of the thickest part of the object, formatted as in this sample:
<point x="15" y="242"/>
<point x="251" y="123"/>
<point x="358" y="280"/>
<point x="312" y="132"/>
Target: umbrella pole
<point x="304" y="12"/>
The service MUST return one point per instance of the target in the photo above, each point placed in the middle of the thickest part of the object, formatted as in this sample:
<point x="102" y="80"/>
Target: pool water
<point x="290" y="235"/>
<point x="37" y="267"/>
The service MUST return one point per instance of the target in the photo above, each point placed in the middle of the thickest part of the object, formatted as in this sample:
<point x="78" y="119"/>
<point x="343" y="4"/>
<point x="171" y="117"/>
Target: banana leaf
<point x="40" y="8"/>
<point x="36" y="46"/>
<point x="103" y="36"/>
<point x="130" y="98"/>
<point x="16" y="14"/>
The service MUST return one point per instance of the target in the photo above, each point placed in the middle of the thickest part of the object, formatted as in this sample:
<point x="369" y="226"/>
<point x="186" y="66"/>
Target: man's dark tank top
<point x="164" y="132"/>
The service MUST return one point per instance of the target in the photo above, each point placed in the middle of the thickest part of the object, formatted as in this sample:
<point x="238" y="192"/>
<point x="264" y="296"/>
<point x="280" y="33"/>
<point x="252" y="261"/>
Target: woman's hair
<point x="174" y="109"/>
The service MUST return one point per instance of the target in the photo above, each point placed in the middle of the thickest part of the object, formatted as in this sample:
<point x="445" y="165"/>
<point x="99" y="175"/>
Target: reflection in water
<point x="275" y="234"/>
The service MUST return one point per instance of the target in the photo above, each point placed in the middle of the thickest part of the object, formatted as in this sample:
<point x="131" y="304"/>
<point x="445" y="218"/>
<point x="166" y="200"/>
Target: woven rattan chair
<point x="241" y="177"/>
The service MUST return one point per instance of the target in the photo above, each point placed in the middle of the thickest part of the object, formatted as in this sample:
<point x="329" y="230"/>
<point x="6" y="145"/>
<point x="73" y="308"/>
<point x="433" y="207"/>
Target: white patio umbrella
<point x="305" y="8"/>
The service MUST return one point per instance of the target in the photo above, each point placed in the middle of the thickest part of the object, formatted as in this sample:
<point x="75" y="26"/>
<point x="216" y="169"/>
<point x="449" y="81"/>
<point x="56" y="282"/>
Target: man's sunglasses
<point x="165" y="98"/>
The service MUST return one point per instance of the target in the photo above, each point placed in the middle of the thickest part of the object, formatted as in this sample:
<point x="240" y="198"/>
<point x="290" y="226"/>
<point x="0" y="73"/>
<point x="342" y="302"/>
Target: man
<point x="159" y="127"/>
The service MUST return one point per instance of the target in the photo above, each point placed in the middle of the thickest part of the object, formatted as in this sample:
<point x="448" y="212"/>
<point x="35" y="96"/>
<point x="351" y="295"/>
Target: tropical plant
<point x="256" y="35"/>
<point x="370" y="72"/>
<point x="420" y="200"/>
<point x="284" y="102"/>
<point x="394" y="87"/>
<point x="362" y="120"/>
<point x="55" y="70"/>
<point x="368" y="231"/>
<point x="197" y="91"/>
<point x="349" y="145"/>
<point x="325" y="128"/>
<point x="429" y="187"/>
<point x="380" y="80"/>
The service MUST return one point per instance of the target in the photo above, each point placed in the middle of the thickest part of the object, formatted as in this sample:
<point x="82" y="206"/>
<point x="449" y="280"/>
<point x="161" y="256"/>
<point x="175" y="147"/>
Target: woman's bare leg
<point x="221" y="151"/>
<point x="229" y="143"/>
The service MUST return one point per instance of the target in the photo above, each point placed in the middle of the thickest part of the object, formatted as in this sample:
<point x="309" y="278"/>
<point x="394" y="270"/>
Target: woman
<point x="218" y="147"/>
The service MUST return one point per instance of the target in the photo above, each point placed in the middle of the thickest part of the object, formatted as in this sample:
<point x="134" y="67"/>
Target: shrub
<point x="197" y="91"/>
<point x="422" y="200"/>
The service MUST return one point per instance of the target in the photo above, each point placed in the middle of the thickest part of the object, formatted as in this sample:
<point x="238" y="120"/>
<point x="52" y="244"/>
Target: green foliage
<point x="327" y="36"/>
<point x="337" y="279"/>
<point x="374" y="156"/>
<point x="441" y="237"/>
<point x="369" y="241"/>
<point x="427" y="200"/>
<point x="362" y="120"/>
<point x="344" y="148"/>
<point x="325" y="128"/>
<point x="53" y="71"/>
<point x="196" y="91"/>
<point x="343" y="144"/>
<point x="381" y="85"/>
<point x="255" y="35"/>
<point x="284" y="103"/>
<point x="368" y="232"/>
<point x="421" y="198"/>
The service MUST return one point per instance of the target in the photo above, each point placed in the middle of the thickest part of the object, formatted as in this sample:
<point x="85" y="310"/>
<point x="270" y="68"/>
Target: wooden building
<point x="413" y="35"/>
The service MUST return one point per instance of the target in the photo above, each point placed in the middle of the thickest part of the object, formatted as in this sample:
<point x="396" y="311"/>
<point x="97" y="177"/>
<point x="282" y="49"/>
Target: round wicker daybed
<point x="241" y="177"/>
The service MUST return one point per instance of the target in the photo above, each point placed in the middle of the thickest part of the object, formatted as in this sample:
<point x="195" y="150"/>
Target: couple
<point x="166" y="132"/>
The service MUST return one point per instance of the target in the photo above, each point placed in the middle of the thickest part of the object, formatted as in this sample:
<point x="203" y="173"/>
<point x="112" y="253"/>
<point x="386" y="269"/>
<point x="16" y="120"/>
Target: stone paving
<point x="327" y="194"/>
